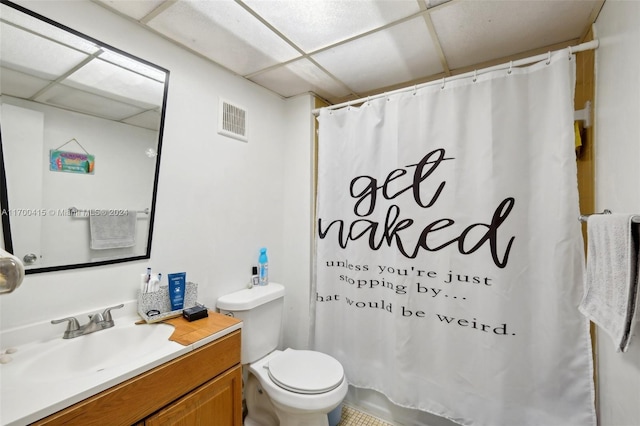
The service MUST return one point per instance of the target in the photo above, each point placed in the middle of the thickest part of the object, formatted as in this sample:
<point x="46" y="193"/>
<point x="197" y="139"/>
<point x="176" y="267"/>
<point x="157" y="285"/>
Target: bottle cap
<point x="254" y="270"/>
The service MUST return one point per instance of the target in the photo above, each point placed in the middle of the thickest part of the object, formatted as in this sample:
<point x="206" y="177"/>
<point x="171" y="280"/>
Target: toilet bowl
<point x="282" y="387"/>
<point x="301" y="386"/>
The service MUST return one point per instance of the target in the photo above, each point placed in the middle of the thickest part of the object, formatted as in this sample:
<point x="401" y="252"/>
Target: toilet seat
<point x="305" y="372"/>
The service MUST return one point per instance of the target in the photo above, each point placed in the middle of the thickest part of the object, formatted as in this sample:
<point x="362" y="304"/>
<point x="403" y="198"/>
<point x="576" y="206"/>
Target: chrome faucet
<point x="98" y="321"/>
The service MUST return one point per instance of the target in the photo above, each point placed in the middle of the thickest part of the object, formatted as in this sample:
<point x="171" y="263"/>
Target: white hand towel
<point x="611" y="281"/>
<point x="113" y="231"/>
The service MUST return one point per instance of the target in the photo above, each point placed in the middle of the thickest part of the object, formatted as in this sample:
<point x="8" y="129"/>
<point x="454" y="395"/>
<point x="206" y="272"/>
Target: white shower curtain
<point x="449" y="257"/>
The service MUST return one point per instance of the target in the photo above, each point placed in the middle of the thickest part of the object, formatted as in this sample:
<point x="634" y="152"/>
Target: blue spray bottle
<point x="263" y="267"/>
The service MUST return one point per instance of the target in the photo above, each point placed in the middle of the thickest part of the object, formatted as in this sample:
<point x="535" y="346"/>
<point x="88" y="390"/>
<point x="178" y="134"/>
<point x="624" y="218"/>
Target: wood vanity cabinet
<point x="202" y="387"/>
<point x="210" y="404"/>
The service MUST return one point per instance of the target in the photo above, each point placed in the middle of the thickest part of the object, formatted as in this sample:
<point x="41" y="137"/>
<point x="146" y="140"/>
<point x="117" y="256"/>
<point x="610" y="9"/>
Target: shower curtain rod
<point x="590" y="45"/>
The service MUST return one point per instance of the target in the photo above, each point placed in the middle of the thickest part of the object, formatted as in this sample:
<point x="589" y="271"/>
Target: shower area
<point x="449" y="255"/>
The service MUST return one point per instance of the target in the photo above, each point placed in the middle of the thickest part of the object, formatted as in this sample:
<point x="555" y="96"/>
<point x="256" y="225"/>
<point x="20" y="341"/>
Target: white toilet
<point x="286" y="388"/>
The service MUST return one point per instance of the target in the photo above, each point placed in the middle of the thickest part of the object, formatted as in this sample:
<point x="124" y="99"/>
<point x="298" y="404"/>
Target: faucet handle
<point x="72" y="326"/>
<point x="107" y="312"/>
<point x="96" y="318"/>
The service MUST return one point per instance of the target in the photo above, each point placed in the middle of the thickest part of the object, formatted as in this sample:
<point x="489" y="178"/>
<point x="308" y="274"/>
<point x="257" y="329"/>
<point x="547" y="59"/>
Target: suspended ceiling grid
<point x="344" y="49"/>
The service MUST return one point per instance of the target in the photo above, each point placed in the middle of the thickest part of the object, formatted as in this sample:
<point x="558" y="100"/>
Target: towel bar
<point x="584" y="217"/>
<point x="73" y="211"/>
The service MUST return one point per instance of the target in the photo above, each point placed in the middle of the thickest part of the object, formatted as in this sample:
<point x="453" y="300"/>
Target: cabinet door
<point x="216" y="403"/>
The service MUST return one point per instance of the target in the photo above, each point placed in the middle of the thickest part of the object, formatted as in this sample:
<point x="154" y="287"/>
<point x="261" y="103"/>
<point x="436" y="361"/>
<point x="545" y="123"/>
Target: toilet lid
<point x="306" y="372"/>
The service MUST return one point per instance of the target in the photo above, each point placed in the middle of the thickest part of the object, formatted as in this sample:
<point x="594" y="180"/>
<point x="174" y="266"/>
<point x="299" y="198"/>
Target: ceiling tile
<point x="51" y="60"/>
<point x="434" y="3"/>
<point x="399" y="54"/>
<point x="14" y="83"/>
<point x="87" y="103"/>
<point x="342" y="36"/>
<point x="22" y="20"/>
<point x="473" y="32"/>
<point x="301" y="76"/>
<point x="148" y="119"/>
<point x="134" y="8"/>
<point x="224" y="32"/>
<point x="315" y="24"/>
<point x="133" y="65"/>
<point x="106" y="79"/>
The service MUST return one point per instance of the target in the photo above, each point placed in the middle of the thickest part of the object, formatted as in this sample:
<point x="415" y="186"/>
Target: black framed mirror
<point x="81" y="129"/>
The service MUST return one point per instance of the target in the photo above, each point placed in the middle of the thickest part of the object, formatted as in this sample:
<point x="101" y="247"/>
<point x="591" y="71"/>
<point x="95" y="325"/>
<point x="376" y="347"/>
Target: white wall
<point x="297" y="218"/>
<point x="219" y="199"/>
<point x="617" y="183"/>
<point x="25" y="128"/>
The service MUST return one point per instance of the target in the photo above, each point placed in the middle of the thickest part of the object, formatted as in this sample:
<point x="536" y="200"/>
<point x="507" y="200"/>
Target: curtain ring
<point x="548" y="57"/>
<point x="475" y="75"/>
<point x="415" y="89"/>
<point x="570" y="52"/>
<point x="510" y="67"/>
<point x="442" y="86"/>
<point x="368" y="100"/>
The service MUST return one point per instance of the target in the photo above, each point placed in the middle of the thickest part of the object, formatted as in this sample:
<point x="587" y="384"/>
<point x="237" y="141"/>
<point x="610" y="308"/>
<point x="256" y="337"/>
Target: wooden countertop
<point x="187" y="333"/>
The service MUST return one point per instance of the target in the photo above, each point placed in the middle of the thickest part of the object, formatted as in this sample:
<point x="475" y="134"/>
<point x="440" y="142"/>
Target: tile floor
<point x="352" y="417"/>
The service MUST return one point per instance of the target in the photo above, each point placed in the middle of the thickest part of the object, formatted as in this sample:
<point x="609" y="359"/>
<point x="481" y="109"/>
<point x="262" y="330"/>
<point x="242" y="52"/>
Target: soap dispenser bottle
<point x="263" y="267"/>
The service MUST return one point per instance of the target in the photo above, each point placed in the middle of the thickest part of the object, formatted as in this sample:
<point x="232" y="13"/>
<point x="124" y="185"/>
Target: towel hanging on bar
<point x="112" y="231"/>
<point x="585" y="217"/>
<point x="611" y="280"/>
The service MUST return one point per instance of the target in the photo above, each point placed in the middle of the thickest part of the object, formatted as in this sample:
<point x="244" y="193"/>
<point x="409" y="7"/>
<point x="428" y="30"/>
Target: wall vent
<point x="232" y="121"/>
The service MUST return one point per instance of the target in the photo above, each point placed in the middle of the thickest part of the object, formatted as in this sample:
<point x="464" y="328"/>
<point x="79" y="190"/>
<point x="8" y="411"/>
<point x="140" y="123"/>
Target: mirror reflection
<point x="81" y="128"/>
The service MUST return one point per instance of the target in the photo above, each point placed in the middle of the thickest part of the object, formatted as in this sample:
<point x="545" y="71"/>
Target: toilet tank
<point x="260" y="309"/>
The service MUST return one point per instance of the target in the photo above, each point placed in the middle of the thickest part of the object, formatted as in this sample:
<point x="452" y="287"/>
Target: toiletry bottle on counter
<point x="255" y="279"/>
<point x="154" y="283"/>
<point x="177" y="284"/>
<point x="145" y="281"/>
<point x="263" y="267"/>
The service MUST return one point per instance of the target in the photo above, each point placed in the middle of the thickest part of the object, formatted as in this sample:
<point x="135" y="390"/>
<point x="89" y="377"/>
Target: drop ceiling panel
<point x="134" y="8"/>
<point x="224" y="32"/>
<point x="52" y="59"/>
<point x="148" y="120"/>
<point x="300" y="76"/>
<point x="133" y="65"/>
<point x="401" y="53"/>
<point x="367" y="45"/>
<point x="473" y="32"/>
<point x="433" y="3"/>
<point x="104" y="78"/>
<point x="20" y="85"/>
<point x="22" y="20"/>
<point x="72" y="99"/>
<point x="312" y="25"/>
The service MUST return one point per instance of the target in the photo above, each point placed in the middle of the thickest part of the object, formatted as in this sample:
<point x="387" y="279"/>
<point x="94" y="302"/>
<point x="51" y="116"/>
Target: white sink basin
<point x="68" y="359"/>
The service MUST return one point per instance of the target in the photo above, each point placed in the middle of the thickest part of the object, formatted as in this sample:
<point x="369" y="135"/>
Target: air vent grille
<point x="232" y="121"/>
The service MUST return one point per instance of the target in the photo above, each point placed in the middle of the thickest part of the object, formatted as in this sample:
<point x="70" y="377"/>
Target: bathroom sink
<point x="48" y="373"/>
<point x="69" y="359"/>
